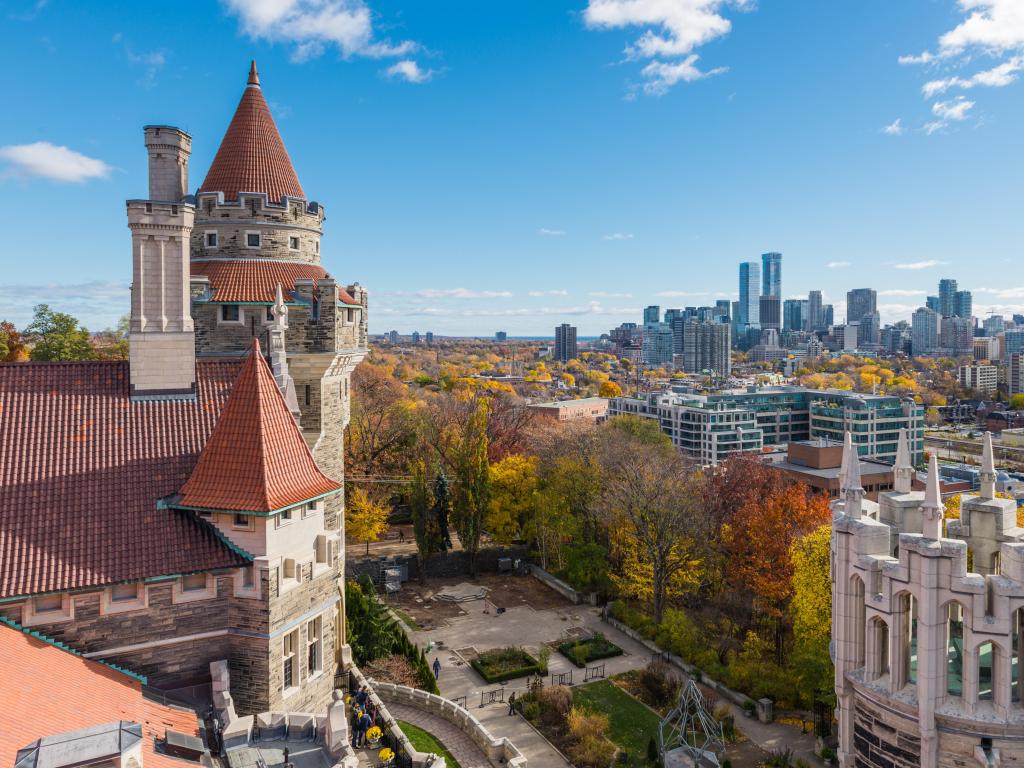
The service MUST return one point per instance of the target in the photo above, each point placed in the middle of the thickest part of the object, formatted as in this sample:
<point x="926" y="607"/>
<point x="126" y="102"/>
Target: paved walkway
<point x="468" y="754"/>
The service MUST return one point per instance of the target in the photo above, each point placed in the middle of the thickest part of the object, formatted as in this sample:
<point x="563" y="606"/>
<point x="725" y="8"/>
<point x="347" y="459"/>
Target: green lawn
<point x="409" y="620"/>
<point x="630" y="724"/>
<point x="425" y="742"/>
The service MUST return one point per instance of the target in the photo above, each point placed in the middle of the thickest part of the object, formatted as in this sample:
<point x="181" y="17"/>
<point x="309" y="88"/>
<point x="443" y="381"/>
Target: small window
<point x="149" y="207"/>
<point x="314" y="654"/>
<point x="241" y="521"/>
<point x="270" y="314"/>
<point x="211" y="239"/>
<point x="206" y="514"/>
<point x="293" y="242"/>
<point x="174" y="210"/>
<point x="47" y="603"/>
<point x="248" y="577"/>
<point x="229" y="313"/>
<point x="122" y="592"/>
<point x="316" y="246"/>
<point x="309" y="393"/>
<point x="194" y="582"/>
<point x="252" y="239"/>
<point x="308" y="509"/>
<point x="284" y="518"/>
<point x="289" y="661"/>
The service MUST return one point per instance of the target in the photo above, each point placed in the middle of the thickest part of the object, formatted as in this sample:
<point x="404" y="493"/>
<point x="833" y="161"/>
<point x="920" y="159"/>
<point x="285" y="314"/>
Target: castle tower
<point x="161" y="339"/>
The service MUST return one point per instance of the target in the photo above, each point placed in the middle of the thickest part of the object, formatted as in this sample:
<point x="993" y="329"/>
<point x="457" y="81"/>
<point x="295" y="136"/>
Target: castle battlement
<point x="928" y="626"/>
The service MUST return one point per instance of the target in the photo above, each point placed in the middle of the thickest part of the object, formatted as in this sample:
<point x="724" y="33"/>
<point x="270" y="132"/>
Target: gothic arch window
<point x="955" y="649"/>
<point x="907" y="647"/>
<point x="878" y="662"/>
<point x="986" y="659"/>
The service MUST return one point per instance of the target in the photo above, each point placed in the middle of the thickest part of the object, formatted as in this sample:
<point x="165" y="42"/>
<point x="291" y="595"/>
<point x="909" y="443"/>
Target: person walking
<point x="437" y="667"/>
<point x="364" y="725"/>
<point x="512" y="703"/>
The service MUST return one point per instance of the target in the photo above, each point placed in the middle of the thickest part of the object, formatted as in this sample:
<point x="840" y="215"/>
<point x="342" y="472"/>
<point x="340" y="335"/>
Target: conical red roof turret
<point x="256" y="460"/>
<point x="252" y="157"/>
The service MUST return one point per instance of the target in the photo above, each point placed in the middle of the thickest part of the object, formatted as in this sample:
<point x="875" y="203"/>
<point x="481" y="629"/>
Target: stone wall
<point x="884" y="739"/>
<point x="252" y="213"/>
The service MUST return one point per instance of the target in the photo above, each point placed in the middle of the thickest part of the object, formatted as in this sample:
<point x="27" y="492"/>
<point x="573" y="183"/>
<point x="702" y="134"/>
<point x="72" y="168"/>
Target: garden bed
<point x="505" y="664"/>
<point x="631" y="724"/>
<point x="582" y="652"/>
<point x="422" y="741"/>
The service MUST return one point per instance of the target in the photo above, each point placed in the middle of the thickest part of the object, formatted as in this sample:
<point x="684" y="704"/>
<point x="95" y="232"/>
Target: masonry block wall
<point x="253" y="213"/>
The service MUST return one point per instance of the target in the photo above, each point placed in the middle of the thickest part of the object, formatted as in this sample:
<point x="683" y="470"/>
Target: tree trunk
<point x="659" y="594"/>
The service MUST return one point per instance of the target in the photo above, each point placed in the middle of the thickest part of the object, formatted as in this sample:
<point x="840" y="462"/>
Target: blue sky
<point x="512" y="166"/>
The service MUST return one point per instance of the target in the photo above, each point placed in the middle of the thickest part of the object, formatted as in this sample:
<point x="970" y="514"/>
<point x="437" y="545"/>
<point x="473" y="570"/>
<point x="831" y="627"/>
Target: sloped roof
<point x="256" y="460"/>
<point x="256" y="280"/>
<point x="48" y="690"/>
<point x="252" y="157"/>
<point x="82" y="468"/>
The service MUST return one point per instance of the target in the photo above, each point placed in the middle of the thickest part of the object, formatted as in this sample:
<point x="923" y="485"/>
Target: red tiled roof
<point x="256" y="460"/>
<point x="47" y="690"/>
<point x="254" y="279"/>
<point x="252" y="157"/>
<point x="82" y="467"/>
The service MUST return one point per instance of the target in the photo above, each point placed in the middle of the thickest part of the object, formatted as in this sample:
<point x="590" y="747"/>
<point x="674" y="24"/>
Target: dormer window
<point x="211" y="239"/>
<point x="293" y="242"/>
<point x="252" y="239"/>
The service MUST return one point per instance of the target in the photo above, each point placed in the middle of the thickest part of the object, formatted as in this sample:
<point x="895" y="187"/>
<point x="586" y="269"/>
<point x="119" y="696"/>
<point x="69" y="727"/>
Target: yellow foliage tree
<point x="811" y="607"/>
<point x="609" y="389"/>
<point x="365" y="518"/>
<point x="569" y="380"/>
<point x="513" y="497"/>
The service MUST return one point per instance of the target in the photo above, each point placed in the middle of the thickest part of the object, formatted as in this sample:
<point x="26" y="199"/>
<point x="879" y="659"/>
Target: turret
<point x="161" y="340"/>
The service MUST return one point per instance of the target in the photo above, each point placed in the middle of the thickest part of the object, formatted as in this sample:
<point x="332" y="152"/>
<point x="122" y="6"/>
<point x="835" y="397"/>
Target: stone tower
<point x="161" y="336"/>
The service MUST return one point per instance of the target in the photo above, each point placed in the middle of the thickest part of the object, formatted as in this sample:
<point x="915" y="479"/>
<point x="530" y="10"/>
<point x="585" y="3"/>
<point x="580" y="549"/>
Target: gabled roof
<point x="49" y="690"/>
<point x="256" y="280"/>
<point x="256" y="460"/>
<point x="82" y="468"/>
<point x="252" y="157"/>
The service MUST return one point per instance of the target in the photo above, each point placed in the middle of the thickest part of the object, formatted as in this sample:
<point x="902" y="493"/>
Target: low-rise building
<point x="818" y="463"/>
<point x="593" y="409"/>
<point x="982" y="378"/>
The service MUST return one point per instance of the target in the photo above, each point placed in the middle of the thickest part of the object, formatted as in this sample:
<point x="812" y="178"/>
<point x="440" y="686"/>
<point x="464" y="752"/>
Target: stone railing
<point x="387" y="722"/>
<point x="590" y="598"/>
<point x="501" y="750"/>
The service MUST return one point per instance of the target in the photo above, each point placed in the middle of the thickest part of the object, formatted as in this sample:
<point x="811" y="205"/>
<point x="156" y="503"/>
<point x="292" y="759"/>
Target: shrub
<point x="531" y="710"/>
<point x="505" y="664"/>
<point x="660" y="683"/>
<point x="653" y="753"/>
<point x="582" y="652"/>
<point x="543" y="655"/>
<point x="556" y="698"/>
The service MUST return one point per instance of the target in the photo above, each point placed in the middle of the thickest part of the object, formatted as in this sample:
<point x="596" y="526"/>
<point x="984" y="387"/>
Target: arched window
<point x="908" y="645"/>
<point x="1015" y="645"/>
<point x="955" y="650"/>
<point x="857" y="614"/>
<point x="986" y="663"/>
<point x="878" y="664"/>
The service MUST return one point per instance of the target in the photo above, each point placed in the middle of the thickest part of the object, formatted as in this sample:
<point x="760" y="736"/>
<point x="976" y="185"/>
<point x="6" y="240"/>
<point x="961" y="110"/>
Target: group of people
<point x="364" y="716"/>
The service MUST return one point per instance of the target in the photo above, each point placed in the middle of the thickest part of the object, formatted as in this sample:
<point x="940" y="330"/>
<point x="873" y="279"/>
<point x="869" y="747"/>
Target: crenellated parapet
<point x="224" y="229"/>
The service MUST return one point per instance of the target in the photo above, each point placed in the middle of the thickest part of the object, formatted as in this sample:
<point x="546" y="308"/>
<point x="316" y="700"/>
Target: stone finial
<point x="988" y="469"/>
<point x="903" y="469"/>
<point x="254" y="76"/>
<point x="853" y="492"/>
<point x="278" y="354"/>
<point x="280" y="310"/>
<point x="932" y="509"/>
<point x="847" y="447"/>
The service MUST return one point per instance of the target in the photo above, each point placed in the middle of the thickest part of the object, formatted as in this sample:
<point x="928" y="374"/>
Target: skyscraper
<point x="750" y="291"/>
<point x="794" y="315"/>
<point x="771" y="270"/>
<point x="723" y="310"/>
<point x="707" y="347"/>
<point x="963" y="304"/>
<point x="652" y="314"/>
<point x="947" y="297"/>
<point x="860" y="302"/>
<point x="924" y="333"/>
<point x="770" y="312"/>
<point x="932" y="302"/>
<point x="814" y="319"/>
<point x="565" y="343"/>
<point x="658" y="343"/>
<point x="827" y="316"/>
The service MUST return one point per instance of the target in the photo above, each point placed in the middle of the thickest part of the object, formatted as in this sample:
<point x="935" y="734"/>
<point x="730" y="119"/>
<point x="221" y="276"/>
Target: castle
<point x="186" y="506"/>
<point x="927" y="624"/>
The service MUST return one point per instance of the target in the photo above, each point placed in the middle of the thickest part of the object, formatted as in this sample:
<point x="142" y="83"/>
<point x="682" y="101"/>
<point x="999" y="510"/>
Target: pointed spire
<point x="850" y="489"/>
<point x="256" y="459"/>
<point x="279" y="355"/>
<point x="252" y="157"/>
<point x="903" y="469"/>
<point x="844" y="462"/>
<point x="931" y="509"/>
<point x="988" y="469"/>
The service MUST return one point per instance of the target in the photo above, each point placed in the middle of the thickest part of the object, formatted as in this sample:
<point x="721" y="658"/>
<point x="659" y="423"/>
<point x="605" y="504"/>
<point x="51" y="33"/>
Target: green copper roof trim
<point x="57" y="644"/>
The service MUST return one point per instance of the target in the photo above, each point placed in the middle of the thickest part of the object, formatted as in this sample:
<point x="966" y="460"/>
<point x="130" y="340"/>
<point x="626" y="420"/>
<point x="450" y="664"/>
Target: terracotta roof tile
<point x="252" y="157"/>
<point x="48" y="690"/>
<point x="256" y="460"/>
<point x="254" y="279"/>
<point x="82" y="467"/>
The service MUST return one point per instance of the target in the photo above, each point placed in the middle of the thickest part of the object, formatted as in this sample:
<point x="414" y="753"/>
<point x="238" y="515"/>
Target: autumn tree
<point x="513" y="497"/>
<point x="365" y="517"/>
<point x="16" y="349"/>
<point x="430" y="509"/>
<point x="609" y="389"/>
<point x="811" y="607"/>
<point x="58" y="336"/>
<point x="383" y="424"/>
<point x="471" y="491"/>
<point x="112" y="343"/>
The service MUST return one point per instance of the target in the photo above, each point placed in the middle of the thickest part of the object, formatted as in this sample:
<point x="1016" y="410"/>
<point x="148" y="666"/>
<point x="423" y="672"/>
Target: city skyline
<point x="452" y="143"/>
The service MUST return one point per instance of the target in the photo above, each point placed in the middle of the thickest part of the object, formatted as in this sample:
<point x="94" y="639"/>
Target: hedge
<point x="485" y="662"/>
<point x="590" y="649"/>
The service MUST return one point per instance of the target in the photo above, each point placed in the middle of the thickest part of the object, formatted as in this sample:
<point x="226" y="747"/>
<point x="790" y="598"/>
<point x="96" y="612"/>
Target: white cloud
<point x="96" y="304"/>
<point x="461" y="293"/>
<point x="48" y="161"/>
<point x="410" y="71"/>
<point x="956" y="109"/>
<point x="608" y="295"/>
<point x="992" y="29"/>
<point x="559" y="292"/>
<point x="895" y="128"/>
<point x="618" y="236"/>
<point x="550" y="232"/>
<point x="1002" y="293"/>
<point x="927" y="264"/>
<point x="590" y="308"/>
<point x="312" y="26"/>
<point x="150" y="61"/>
<point x="837" y="264"/>
<point x="901" y="292"/>
<point x="672" y="31"/>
